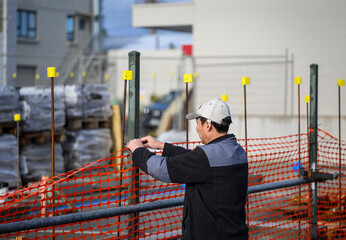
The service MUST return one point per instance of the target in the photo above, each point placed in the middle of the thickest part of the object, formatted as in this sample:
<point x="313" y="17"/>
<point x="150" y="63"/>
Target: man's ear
<point x="209" y="125"/>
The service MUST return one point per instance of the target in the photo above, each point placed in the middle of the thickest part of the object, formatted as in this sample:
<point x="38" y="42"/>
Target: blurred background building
<point x="36" y="34"/>
<point x="269" y="41"/>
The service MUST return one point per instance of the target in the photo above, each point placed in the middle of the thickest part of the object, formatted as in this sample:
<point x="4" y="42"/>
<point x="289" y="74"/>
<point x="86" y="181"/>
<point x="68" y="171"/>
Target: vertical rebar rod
<point x="123" y="145"/>
<point x="52" y="104"/>
<point x="123" y="120"/>
<point x="308" y="144"/>
<point x="245" y="120"/>
<point x="340" y="176"/>
<point x="307" y="118"/>
<point x="186" y="112"/>
<point x="286" y="82"/>
<point x="299" y="161"/>
<point x="313" y="144"/>
<point x="53" y="149"/>
<point x="299" y="126"/>
<point x="18" y="160"/>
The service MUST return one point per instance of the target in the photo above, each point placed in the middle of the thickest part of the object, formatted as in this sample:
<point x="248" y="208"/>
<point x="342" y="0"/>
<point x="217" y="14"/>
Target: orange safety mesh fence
<point x="113" y="182"/>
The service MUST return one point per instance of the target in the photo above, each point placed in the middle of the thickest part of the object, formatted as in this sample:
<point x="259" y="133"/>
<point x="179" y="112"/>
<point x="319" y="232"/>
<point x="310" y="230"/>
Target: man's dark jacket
<point x="216" y="178"/>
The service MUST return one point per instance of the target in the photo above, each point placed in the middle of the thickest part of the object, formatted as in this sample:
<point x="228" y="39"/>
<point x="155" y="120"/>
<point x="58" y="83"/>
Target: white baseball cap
<point x="215" y="110"/>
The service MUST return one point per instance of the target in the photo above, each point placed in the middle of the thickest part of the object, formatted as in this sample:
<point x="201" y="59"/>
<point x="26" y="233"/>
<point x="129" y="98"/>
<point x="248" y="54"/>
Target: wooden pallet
<point x="87" y="123"/>
<point x="8" y="127"/>
<point x="41" y="137"/>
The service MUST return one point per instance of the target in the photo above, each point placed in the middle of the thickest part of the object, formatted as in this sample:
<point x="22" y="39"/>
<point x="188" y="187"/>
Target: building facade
<point x="37" y="34"/>
<point x="269" y="41"/>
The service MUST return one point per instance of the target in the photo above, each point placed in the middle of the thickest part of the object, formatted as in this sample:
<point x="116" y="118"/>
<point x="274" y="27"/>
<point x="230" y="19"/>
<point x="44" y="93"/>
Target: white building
<point x="269" y="41"/>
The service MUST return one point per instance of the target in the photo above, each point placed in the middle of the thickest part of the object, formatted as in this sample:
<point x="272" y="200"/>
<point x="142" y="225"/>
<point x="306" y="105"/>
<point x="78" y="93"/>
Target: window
<point x="81" y="24"/>
<point x="70" y="30"/>
<point x="26" y="24"/>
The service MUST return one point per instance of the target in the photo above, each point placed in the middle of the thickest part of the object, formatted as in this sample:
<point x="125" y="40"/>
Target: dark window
<point x="81" y="24"/>
<point x="26" y="24"/>
<point x="70" y="28"/>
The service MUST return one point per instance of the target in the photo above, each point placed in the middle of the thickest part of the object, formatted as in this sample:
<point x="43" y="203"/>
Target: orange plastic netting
<point x="114" y="182"/>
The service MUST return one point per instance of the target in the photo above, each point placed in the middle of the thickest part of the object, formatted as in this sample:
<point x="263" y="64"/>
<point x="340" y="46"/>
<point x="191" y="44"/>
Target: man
<point x="215" y="174"/>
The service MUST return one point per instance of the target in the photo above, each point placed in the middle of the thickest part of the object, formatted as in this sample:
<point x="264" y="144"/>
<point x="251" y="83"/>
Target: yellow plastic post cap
<point x="245" y="80"/>
<point x="127" y="75"/>
<point x="341" y="82"/>
<point x="297" y="80"/>
<point x="224" y="97"/>
<point x="37" y="77"/>
<point x="71" y="74"/>
<point x="16" y="117"/>
<point x="107" y="76"/>
<point x="154" y="74"/>
<point x="51" y="72"/>
<point x="195" y="75"/>
<point x="83" y="74"/>
<point x="188" y="78"/>
<point x="14" y="75"/>
<point x="307" y="98"/>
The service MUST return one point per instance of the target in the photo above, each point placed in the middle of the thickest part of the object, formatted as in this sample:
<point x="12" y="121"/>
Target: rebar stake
<point x="188" y="78"/>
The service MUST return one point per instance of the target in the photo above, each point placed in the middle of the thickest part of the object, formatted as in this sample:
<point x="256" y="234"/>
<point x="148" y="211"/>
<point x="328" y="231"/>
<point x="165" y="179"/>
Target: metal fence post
<point x="313" y="143"/>
<point x="133" y="132"/>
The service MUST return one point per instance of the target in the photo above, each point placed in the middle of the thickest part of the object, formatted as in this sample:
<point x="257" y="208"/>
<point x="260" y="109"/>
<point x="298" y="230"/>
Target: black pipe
<point x="313" y="150"/>
<point x="112" y="212"/>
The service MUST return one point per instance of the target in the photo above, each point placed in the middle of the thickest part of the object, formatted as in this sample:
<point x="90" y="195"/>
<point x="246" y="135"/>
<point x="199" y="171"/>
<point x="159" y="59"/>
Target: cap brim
<point x="192" y="115"/>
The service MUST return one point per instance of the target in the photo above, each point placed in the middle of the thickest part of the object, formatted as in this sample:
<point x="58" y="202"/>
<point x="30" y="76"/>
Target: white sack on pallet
<point x="73" y="95"/>
<point x="39" y="160"/>
<point x="9" y="103"/>
<point x="8" y="160"/>
<point x="36" y="110"/>
<point x="85" y="146"/>
<point x="96" y="101"/>
<point x="90" y="100"/>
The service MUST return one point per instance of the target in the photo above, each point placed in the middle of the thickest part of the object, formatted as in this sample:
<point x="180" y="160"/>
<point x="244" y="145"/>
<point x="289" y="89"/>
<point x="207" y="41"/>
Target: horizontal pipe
<point x="278" y="185"/>
<point x="112" y="212"/>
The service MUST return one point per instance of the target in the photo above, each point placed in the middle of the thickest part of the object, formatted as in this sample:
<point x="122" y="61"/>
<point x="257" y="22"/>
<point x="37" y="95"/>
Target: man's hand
<point x="147" y="142"/>
<point x="150" y="142"/>
<point x="134" y="144"/>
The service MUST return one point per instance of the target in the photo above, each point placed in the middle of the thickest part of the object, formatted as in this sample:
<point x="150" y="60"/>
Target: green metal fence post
<point x="133" y="132"/>
<point x="313" y="143"/>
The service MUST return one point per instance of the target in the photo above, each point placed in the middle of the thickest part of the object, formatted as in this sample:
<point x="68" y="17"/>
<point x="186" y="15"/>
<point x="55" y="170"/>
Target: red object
<point x="187" y="49"/>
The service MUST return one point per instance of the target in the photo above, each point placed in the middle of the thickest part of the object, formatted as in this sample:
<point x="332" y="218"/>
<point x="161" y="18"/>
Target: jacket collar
<point x="219" y="139"/>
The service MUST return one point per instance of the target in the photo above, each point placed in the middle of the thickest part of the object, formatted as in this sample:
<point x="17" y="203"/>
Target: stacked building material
<point x="39" y="160"/>
<point x="88" y="113"/>
<point x="8" y="160"/>
<point x="86" y="145"/>
<point x="74" y="99"/>
<point x="36" y="109"/>
<point x="97" y="101"/>
<point x="87" y="101"/>
<point x="9" y="103"/>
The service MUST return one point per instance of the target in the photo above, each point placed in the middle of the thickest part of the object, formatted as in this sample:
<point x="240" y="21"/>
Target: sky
<point x="121" y="34"/>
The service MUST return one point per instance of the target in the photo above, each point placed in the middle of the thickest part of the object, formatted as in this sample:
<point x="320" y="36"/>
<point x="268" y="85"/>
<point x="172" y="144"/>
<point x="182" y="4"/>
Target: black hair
<point x="220" y="128"/>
